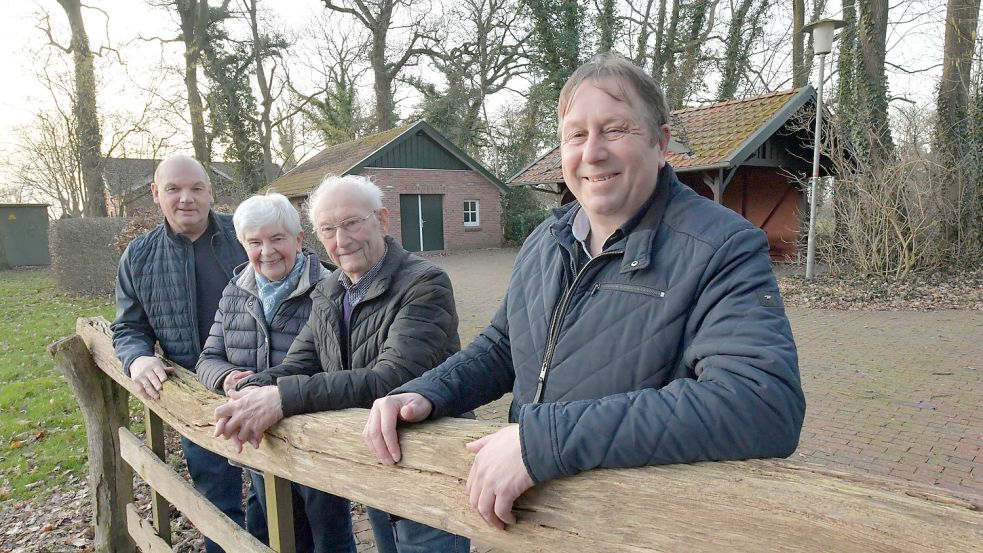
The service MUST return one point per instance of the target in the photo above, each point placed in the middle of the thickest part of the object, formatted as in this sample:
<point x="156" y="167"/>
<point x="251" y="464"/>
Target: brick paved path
<point x="893" y="394"/>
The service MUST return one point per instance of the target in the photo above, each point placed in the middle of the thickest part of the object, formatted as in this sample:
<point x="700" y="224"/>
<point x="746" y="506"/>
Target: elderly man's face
<point x="184" y="195"/>
<point x="352" y="232"/>
<point x="609" y="158"/>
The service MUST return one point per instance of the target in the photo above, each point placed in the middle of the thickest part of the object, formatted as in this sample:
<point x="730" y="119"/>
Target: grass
<point x="42" y="439"/>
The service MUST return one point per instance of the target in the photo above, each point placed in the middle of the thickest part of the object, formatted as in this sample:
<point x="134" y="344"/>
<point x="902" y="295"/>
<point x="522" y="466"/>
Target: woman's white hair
<point x="362" y="185"/>
<point x="259" y="211"/>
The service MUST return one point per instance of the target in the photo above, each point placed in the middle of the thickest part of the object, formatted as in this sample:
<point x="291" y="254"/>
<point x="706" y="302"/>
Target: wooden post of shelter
<point x="159" y="508"/>
<point x="104" y="410"/>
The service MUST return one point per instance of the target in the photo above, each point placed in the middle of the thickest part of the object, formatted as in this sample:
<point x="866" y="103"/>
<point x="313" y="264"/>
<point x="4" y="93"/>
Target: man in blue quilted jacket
<point x="167" y="290"/>
<point x="642" y="324"/>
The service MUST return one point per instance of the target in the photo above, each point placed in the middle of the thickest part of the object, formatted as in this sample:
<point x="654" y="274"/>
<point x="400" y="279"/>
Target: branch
<point x="51" y="39"/>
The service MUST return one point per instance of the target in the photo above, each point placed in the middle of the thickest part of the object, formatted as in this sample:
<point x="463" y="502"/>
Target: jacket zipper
<point x="555" y="321"/>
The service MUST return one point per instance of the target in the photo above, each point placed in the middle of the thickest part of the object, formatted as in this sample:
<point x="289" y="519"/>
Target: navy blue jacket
<point x="671" y="346"/>
<point x="155" y="292"/>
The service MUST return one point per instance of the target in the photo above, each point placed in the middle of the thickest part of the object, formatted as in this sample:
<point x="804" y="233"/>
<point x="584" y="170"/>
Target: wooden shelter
<point x="752" y="155"/>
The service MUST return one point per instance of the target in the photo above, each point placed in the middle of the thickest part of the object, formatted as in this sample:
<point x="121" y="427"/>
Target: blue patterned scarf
<point x="272" y="294"/>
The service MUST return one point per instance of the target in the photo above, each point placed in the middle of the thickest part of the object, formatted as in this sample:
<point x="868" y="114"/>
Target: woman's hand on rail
<point x="380" y="430"/>
<point x="246" y="418"/>
<point x="233" y="378"/>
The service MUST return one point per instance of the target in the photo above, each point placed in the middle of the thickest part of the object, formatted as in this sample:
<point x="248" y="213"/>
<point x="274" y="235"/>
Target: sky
<point x="914" y="45"/>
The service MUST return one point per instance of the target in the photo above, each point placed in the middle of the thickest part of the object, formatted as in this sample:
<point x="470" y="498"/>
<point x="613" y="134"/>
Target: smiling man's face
<point x="184" y="195"/>
<point x="610" y="160"/>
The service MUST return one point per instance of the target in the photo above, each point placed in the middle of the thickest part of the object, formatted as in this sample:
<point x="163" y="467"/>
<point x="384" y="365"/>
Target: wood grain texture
<point x="144" y="533"/>
<point x="206" y="517"/>
<point x="104" y="409"/>
<point x="764" y="505"/>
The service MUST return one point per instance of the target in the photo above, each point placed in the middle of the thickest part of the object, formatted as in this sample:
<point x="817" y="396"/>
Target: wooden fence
<point x="758" y="505"/>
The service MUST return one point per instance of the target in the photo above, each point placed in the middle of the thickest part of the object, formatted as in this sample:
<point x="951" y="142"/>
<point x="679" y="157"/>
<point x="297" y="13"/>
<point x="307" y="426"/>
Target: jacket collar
<point x="312" y="274"/>
<point x="394" y="258"/>
<point x="640" y="241"/>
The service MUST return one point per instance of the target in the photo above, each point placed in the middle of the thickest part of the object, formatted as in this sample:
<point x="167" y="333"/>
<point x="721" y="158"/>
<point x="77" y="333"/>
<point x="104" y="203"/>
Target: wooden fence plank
<point x="205" y="516"/>
<point x="104" y="409"/>
<point x="144" y="533"/>
<point x="734" y="506"/>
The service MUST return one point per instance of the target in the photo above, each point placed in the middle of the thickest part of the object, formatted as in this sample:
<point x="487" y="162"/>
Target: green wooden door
<point x="421" y="219"/>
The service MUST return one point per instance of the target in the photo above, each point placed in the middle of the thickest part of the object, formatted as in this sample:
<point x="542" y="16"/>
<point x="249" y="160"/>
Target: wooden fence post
<point x="279" y="513"/>
<point x="104" y="411"/>
<point x="160" y="508"/>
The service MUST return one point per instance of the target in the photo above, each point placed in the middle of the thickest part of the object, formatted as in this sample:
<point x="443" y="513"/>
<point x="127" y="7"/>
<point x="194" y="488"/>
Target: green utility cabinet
<point x="24" y="235"/>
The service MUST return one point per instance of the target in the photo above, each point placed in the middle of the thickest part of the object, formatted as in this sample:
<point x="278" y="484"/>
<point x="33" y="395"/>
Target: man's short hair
<point x="181" y="158"/>
<point x="361" y="184"/>
<point x="259" y="211"/>
<point x="614" y="66"/>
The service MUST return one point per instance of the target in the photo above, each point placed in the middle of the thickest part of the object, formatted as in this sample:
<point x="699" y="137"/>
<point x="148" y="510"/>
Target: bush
<point x="82" y="255"/>
<point x="521" y="214"/>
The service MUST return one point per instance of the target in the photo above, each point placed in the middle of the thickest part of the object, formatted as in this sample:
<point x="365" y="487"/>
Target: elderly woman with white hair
<point x="260" y="313"/>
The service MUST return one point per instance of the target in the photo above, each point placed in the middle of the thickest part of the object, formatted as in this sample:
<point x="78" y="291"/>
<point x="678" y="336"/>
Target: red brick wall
<point x="455" y="187"/>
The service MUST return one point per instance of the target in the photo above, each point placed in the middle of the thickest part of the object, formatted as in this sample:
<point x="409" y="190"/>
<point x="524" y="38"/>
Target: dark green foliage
<point x="556" y="41"/>
<point x="521" y="214"/>
<point x="232" y="113"/>
<point x="337" y="115"/>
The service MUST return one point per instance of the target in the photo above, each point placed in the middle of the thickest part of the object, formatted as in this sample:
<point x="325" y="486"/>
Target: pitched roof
<point x="123" y="175"/>
<point x="718" y="135"/>
<point x="347" y="157"/>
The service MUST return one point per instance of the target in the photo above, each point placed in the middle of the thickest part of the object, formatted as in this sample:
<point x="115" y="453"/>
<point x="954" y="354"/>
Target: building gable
<point x="417" y="151"/>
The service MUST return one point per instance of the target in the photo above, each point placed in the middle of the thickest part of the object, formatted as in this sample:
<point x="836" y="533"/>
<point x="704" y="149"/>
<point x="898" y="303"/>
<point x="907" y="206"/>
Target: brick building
<point x="752" y="155"/>
<point x="438" y="197"/>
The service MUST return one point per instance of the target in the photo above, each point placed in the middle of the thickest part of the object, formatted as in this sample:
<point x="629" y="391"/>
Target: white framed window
<point x="471" y="216"/>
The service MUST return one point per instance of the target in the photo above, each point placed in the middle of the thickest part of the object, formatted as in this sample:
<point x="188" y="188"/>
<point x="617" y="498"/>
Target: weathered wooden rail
<point x="734" y="506"/>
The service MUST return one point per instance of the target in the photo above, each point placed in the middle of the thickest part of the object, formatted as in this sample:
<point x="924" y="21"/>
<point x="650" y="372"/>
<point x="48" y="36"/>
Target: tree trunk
<point x="270" y="171"/>
<point x="606" y="23"/>
<point x="957" y="63"/>
<point x="800" y="76"/>
<point x="872" y="40"/>
<point x="194" y="25"/>
<point x="86" y="113"/>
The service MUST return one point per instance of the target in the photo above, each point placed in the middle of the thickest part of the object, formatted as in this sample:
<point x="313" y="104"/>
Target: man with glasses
<point x="382" y="319"/>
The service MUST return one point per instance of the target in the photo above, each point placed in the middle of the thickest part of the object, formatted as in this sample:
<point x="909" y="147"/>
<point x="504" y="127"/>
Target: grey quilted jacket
<point x="671" y="346"/>
<point x="405" y="325"/>
<point x="155" y="292"/>
<point x="240" y="339"/>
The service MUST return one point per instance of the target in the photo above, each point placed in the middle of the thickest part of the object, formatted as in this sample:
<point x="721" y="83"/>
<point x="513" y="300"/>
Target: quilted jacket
<point x="155" y="292"/>
<point x="240" y="339"/>
<point x="671" y="346"/>
<point x="405" y="325"/>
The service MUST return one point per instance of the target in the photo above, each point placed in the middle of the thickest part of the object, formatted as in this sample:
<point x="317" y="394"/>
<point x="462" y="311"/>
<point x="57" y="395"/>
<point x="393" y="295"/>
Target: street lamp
<point x="822" y="44"/>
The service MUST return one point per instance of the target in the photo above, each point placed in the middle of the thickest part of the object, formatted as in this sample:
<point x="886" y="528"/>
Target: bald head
<point x="184" y="193"/>
<point x="182" y="161"/>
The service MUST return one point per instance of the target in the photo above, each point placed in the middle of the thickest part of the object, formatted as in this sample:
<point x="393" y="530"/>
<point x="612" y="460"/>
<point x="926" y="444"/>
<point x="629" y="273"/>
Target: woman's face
<point x="272" y="250"/>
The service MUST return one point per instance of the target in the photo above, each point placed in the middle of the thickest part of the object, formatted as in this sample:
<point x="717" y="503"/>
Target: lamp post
<point x="822" y="44"/>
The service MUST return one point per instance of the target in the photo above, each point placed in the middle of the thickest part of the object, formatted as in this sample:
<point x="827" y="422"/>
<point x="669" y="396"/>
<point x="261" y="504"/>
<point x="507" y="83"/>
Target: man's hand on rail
<point x="149" y="373"/>
<point x="233" y="378"/>
<point x="498" y="476"/>
<point x="246" y="418"/>
<point x="380" y="430"/>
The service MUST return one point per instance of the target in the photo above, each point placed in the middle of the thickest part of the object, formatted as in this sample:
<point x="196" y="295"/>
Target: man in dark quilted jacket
<point x="642" y="324"/>
<point x="167" y="290"/>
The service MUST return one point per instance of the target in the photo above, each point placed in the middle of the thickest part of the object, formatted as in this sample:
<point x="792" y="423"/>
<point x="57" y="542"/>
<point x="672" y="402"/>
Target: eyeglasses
<point x="350" y="226"/>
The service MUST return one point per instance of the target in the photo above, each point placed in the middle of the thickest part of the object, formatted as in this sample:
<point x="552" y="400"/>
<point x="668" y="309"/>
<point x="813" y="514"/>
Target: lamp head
<point x="822" y="34"/>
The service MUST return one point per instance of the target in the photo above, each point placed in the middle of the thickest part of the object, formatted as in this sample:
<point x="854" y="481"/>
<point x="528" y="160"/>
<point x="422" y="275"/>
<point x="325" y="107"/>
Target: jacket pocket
<point x="630" y="288"/>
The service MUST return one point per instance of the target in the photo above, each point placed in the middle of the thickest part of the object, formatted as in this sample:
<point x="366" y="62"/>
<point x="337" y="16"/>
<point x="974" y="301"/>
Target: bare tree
<point x="380" y="18"/>
<point x="954" y="87"/>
